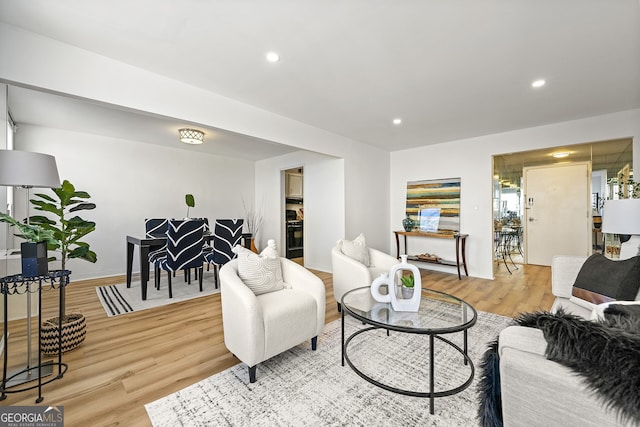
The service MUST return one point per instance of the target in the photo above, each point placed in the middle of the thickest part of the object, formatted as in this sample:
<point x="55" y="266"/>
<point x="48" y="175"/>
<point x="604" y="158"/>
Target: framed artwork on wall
<point x="434" y="205"/>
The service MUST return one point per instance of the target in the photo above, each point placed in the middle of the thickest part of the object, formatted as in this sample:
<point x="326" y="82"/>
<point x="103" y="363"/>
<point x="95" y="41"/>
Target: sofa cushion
<point x="289" y="318"/>
<point x="601" y="279"/>
<point x="356" y="249"/>
<point x="261" y="273"/>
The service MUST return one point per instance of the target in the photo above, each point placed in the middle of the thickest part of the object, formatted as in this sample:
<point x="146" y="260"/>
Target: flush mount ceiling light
<point x="273" y="57"/>
<point x="191" y="136"/>
<point x="397" y="121"/>
<point x="561" y="155"/>
<point x="538" y="83"/>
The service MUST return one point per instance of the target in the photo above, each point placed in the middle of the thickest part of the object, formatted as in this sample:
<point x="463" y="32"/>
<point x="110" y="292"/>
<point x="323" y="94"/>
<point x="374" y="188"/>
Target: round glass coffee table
<point x="439" y="314"/>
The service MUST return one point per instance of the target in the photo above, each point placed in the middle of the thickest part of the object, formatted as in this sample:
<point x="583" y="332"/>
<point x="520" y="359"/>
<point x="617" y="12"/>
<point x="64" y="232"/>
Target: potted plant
<point x="407" y="286"/>
<point x="67" y="232"/>
<point x="33" y="252"/>
<point x="253" y="222"/>
<point x="190" y="201"/>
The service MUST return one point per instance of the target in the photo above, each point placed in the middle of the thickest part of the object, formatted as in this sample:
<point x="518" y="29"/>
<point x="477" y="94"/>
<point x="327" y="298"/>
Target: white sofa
<point x="536" y="391"/>
<point x="349" y="274"/>
<point x="258" y="327"/>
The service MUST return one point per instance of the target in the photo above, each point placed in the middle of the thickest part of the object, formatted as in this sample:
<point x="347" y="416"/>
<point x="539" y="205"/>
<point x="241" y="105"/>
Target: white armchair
<point x="258" y="327"/>
<point x="349" y="274"/>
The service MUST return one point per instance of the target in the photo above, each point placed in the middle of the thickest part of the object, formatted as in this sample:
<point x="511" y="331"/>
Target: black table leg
<point x="431" y="373"/>
<point x="458" y="255"/>
<point x="343" y="337"/>
<point x="129" y="263"/>
<point x="144" y="269"/>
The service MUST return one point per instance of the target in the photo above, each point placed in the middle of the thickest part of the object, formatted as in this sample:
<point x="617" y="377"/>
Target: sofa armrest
<point x="302" y="279"/>
<point x="241" y="316"/>
<point x="564" y="270"/>
<point x="538" y="392"/>
<point x="347" y="273"/>
<point x="522" y="338"/>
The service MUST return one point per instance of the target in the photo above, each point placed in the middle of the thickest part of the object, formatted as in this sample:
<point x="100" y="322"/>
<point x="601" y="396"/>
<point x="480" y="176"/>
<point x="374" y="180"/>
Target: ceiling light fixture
<point x="273" y="57"/>
<point x="561" y="155"/>
<point x="538" y="83"/>
<point x="191" y="136"/>
<point x="397" y="121"/>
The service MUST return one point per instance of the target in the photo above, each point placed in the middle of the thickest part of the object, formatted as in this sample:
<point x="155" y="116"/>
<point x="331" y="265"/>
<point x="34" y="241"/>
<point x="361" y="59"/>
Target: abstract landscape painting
<point x="426" y="199"/>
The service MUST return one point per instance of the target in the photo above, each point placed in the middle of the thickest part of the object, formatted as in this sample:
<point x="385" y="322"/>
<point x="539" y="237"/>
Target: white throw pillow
<point x="357" y="249"/>
<point x="261" y="273"/>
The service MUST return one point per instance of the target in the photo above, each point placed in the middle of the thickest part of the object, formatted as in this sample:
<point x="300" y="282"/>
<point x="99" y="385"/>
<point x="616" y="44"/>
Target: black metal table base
<point x="432" y="393"/>
<point x="17" y="284"/>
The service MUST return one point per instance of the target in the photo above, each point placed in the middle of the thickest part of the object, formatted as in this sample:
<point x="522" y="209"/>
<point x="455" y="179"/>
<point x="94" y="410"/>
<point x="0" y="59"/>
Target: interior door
<point x="557" y="211"/>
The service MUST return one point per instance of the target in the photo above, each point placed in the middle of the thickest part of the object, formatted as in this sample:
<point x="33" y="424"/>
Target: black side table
<point x="16" y="284"/>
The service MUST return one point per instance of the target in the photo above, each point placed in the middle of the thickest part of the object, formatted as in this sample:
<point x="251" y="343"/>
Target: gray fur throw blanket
<point x="605" y="353"/>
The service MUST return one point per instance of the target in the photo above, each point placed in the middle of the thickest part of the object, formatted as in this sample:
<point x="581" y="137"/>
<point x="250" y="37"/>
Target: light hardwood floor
<point x="131" y="360"/>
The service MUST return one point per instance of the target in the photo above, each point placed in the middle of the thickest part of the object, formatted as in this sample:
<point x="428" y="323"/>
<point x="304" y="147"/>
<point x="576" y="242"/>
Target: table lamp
<point x="622" y="217"/>
<point x="27" y="170"/>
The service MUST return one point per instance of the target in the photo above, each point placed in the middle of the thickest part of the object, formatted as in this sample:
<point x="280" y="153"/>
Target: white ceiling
<point x="450" y="69"/>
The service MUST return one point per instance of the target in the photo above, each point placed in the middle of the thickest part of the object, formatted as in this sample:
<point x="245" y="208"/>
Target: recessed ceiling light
<point x="560" y="155"/>
<point x="538" y="83"/>
<point x="273" y="57"/>
<point x="397" y="121"/>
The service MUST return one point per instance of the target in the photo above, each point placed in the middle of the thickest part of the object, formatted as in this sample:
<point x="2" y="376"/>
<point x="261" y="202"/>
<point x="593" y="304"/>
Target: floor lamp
<point x="27" y="170"/>
<point x="622" y="217"/>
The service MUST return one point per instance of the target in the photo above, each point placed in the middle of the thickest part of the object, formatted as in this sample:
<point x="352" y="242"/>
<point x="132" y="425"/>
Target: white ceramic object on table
<point x="392" y="281"/>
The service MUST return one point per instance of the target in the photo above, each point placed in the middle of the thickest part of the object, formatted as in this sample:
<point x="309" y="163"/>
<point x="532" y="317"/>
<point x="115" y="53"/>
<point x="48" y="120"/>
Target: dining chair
<point x="184" y="250"/>
<point x="227" y="233"/>
<point x="156" y="228"/>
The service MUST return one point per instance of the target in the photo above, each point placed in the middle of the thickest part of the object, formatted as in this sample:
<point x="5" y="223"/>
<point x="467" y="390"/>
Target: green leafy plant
<point x="67" y="230"/>
<point x="29" y="232"/>
<point x="190" y="201"/>
<point x="407" y="281"/>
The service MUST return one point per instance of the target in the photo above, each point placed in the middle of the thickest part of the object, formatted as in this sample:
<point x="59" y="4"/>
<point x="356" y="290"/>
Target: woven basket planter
<point x="73" y="333"/>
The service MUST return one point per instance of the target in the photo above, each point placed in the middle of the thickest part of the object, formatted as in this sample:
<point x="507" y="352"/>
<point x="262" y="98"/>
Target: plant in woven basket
<point x="68" y="230"/>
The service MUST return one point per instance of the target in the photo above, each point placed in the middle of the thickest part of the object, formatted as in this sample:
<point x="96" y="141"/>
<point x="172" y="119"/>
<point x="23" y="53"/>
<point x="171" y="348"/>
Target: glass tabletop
<point x="439" y="313"/>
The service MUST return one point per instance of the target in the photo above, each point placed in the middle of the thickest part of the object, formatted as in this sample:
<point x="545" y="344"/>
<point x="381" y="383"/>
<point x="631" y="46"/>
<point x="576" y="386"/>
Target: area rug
<point x="301" y="387"/>
<point x="118" y="299"/>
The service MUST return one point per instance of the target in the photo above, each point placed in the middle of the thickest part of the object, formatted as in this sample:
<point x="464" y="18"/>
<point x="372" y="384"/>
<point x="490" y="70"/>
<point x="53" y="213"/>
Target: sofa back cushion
<point x="601" y="279"/>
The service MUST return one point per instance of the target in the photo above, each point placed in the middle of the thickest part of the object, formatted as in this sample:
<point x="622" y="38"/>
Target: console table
<point x="17" y="284"/>
<point x="461" y="243"/>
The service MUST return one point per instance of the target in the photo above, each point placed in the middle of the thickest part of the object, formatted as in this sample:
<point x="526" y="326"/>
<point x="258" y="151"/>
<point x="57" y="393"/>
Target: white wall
<point x="367" y="195"/>
<point x="130" y="181"/>
<point x="324" y="209"/>
<point x="471" y="159"/>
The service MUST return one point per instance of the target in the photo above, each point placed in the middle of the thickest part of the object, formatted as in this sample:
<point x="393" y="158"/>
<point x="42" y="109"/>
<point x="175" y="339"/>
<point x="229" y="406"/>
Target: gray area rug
<point x="118" y="299"/>
<point x="305" y="388"/>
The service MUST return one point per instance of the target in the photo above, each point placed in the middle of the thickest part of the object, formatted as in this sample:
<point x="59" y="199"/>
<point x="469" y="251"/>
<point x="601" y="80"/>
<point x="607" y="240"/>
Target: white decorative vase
<point x="392" y="280"/>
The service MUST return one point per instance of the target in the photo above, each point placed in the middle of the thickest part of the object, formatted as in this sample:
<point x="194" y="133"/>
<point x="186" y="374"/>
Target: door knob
<point x="531" y="219"/>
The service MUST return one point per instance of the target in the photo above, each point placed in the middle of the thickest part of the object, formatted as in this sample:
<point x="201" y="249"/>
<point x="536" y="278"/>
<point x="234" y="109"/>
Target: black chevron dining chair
<point x="156" y="228"/>
<point x="227" y="233"/>
<point x="184" y="249"/>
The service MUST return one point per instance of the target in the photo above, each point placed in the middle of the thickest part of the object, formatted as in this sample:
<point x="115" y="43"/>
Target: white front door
<point x="557" y="211"/>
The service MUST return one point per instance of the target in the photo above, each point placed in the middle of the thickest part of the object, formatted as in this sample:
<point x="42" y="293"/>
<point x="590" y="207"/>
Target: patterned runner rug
<point x="301" y="387"/>
<point x="118" y="299"/>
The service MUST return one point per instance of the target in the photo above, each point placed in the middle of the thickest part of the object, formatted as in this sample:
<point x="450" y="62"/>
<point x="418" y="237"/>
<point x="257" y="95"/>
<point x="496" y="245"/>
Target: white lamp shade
<point x="621" y="216"/>
<point x="27" y="169"/>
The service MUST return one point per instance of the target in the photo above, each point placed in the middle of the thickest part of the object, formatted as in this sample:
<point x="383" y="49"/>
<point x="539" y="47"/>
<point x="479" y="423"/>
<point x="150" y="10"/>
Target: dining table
<point x="146" y="245"/>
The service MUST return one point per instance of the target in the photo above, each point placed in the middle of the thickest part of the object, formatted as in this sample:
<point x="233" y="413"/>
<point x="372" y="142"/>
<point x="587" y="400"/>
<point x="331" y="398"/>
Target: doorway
<point x="557" y="211"/>
<point x="294" y="214"/>
<point x="607" y="159"/>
